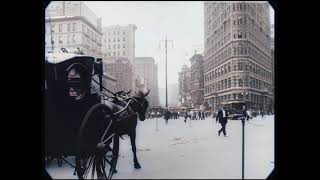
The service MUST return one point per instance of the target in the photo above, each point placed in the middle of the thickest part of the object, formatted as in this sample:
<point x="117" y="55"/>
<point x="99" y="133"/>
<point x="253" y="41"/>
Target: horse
<point x="127" y="123"/>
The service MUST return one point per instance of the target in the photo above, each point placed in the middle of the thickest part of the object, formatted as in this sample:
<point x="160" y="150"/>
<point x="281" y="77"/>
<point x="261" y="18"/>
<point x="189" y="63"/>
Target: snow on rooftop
<point x="59" y="17"/>
<point x="56" y="58"/>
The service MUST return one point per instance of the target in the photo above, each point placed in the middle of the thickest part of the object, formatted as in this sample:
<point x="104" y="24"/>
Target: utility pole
<point x="166" y="45"/>
<point x="243" y="122"/>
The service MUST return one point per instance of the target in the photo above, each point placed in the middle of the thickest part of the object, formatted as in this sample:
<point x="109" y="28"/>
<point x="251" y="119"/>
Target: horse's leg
<point x="134" y="149"/>
<point x="115" y="152"/>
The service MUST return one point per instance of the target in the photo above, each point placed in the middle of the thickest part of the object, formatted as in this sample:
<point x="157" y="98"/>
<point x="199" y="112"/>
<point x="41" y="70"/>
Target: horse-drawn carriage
<point x="83" y="122"/>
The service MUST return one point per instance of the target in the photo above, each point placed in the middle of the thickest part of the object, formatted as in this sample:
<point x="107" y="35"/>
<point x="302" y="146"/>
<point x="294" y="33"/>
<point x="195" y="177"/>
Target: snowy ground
<point x="193" y="150"/>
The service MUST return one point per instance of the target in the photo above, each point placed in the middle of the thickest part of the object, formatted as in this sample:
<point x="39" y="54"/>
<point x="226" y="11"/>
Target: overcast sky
<point x="180" y="21"/>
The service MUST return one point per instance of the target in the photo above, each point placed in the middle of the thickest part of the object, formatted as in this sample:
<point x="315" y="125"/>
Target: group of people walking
<point x="221" y="116"/>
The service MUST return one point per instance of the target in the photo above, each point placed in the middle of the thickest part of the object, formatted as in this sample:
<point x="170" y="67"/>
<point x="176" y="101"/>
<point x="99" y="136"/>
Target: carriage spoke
<point x="105" y="132"/>
<point x="103" y="168"/>
<point x="93" y="168"/>
<point x="89" y="165"/>
<point x="108" y="138"/>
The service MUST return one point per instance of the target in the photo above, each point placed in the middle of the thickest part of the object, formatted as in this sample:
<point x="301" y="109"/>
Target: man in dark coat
<point x="166" y="115"/>
<point x="222" y="117"/>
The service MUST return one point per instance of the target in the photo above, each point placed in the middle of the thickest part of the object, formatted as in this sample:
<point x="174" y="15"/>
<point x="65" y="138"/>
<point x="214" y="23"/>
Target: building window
<point x="69" y="27"/>
<point x="60" y="27"/>
<point x="123" y="53"/>
<point x="124" y="39"/>
<point x="124" y="46"/>
<point x="114" y="46"/>
<point x="109" y="53"/>
<point x="68" y="41"/>
<point x="118" y="46"/>
<point x="114" y="53"/>
<point x="118" y="39"/>
<point x="123" y="32"/>
<point x="225" y="83"/>
<point x="114" y="39"/>
<point x="52" y="28"/>
<point x="74" y="27"/>
<point x="114" y="33"/>
<point x="240" y="82"/>
<point x="60" y="39"/>
<point x="109" y="46"/>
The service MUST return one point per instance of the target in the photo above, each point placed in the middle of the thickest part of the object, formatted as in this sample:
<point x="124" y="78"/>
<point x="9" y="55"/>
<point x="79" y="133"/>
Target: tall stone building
<point x="145" y="70"/>
<point x="185" y="86"/>
<point x="110" y="83"/>
<point x="121" y="70"/>
<point x="73" y="26"/>
<point x="119" y="41"/>
<point x="196" y="80"/>
<point x="237" y="63"/>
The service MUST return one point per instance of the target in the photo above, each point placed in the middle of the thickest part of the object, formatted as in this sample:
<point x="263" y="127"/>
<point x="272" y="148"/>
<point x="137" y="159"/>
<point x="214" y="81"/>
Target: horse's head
<point x="140" y="104"/>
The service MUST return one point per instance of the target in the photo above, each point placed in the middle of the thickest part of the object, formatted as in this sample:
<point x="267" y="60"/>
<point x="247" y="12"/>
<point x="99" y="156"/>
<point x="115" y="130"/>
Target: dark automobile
<point x="234" y="114"/>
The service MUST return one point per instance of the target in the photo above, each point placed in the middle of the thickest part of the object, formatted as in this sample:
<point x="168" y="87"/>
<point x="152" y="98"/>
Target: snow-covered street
<point x="193" y="150"/>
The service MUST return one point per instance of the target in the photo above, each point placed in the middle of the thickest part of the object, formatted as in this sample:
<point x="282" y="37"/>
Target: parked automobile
<point x="234" y="114"/>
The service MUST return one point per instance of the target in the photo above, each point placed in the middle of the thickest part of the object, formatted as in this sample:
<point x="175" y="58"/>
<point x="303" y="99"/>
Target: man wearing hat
<point x="222" y="116"/>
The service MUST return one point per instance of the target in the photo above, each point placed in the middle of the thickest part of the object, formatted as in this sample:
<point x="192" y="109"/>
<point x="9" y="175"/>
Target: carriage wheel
<point x="94" y="144"/>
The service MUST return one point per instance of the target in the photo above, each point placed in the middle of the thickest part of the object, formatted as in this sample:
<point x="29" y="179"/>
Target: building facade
<point x="121" y="70"/>
<point x="73" y="26"/>
<point x="110" y="83"/>
<point x="119" y="41"/>
<point x="146" y="70"/>
<point x="185" y="86"/>
<point x="237" y="63"/>
<point x="196" y="80"/>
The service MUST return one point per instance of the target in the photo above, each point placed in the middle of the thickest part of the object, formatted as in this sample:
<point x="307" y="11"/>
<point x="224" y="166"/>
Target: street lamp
<point x="244" y="93"/>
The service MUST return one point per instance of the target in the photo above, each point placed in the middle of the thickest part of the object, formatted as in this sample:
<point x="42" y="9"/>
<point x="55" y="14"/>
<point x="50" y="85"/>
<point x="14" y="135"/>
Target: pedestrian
<point x="262" y="114"/>
<point x="166" y="115"/>
<point x="199" y="115"/>
<point x="222" y="117"/>
<point x="185" y="116"/>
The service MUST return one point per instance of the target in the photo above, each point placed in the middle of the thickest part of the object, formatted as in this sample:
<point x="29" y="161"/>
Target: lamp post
<point x="244" y="95"/>
<point x="166" y="42"/>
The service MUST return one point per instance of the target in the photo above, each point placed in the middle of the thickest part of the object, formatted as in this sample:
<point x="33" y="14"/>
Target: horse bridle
<point x="141" y="105"/>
